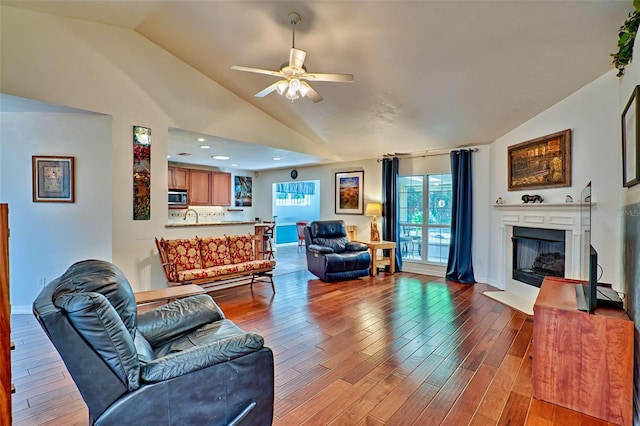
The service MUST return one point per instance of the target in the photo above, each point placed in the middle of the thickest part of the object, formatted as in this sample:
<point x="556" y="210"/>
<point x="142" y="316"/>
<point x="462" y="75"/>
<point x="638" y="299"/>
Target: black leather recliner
<point x="330" y="255"/>
<point x="181" y="363"/>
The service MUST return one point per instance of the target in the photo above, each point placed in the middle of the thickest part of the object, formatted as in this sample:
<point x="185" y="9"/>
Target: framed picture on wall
<point x="349" y="197"/>
<point x="242" y="191"/>
<point x="141" y="173"/>
<point x="543" y="162"/>
<point x="53" y="179"/>
<point x="631" y="141"/>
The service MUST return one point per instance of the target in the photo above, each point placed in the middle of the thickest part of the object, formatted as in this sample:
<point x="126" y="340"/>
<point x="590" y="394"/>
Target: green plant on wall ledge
<point x="626" y="38"/>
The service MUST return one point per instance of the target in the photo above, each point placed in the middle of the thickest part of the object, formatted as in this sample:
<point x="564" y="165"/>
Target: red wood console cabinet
<point x="582" y="361"/>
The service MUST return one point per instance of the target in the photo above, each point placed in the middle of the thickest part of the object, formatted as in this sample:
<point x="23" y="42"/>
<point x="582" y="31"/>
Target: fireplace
<point x="537" y="253"/>
<point x="562" y="217"/>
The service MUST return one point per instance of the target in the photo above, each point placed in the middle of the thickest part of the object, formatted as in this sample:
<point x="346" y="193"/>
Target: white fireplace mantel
<point x="560" y="216"/>
<point x="564" y="216"/>
<point x="561" y="206"/>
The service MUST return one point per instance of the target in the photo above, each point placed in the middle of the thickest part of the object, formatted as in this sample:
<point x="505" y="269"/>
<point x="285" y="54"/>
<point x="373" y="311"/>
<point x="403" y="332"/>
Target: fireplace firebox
<point x="537" y="253"/>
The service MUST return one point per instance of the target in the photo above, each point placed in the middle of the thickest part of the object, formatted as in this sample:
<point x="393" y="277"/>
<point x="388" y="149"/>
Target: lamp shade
<point x="373" y="209"/>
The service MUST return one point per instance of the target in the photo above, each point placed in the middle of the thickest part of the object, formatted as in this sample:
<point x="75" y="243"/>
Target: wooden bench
<point x="214" y="262"/>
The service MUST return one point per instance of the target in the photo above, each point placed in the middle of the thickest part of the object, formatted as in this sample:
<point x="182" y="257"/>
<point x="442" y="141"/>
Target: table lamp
<point x="374" y="209"/>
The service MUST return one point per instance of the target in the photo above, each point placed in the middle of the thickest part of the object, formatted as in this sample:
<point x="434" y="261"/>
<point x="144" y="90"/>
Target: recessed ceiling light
<point x="168" y="156"/>
<point x="234" y="165"/>
<point x="276" y="158"/>
<point x="219" y="157"/>
<point x="205" y="146"/>
<point x="200" y="139"/>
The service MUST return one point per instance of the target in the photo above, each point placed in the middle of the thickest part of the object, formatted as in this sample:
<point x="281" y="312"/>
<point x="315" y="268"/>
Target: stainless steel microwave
<point x="177" y="197"/>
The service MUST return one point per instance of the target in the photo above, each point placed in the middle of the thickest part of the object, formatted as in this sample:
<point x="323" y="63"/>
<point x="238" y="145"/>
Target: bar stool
<point x="267" y="239"/>
<point x="300" y="226"/>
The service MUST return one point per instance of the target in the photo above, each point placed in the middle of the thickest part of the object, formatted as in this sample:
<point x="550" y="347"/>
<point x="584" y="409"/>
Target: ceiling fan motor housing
<point x="294" y="18"/>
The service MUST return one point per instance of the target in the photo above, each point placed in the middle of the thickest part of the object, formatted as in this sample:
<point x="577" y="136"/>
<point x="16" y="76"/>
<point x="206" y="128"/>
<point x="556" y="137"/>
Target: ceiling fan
<point x="294" y="76"/>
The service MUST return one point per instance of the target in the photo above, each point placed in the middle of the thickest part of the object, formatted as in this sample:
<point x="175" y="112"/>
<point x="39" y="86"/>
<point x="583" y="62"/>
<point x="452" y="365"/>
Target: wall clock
<point x="294" y="174"/>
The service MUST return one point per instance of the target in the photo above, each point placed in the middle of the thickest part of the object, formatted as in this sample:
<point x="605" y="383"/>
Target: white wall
<point x="46" y="238"/>
<point x="482" y="197"/>
<point x="592" y="114"/>
<point x="248" y="212"/>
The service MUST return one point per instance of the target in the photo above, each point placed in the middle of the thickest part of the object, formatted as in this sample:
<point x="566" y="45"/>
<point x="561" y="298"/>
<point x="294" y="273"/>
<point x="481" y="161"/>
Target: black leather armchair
<point x="330" y="255"/>
<point x="181" y="363"/>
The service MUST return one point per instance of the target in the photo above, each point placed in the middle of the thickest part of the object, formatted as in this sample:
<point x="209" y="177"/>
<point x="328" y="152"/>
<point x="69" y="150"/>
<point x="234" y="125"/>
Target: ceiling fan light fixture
<point x="294" y="83"/>
<point x="282" y="86"/>
<point x="296" y="89"/>
<point x="292" y="92"/>
<point x="304" y="89"/>
<point x="292" y="95"/>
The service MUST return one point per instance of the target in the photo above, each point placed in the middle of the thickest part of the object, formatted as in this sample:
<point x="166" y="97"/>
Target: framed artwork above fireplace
<point x="539" y="163"/>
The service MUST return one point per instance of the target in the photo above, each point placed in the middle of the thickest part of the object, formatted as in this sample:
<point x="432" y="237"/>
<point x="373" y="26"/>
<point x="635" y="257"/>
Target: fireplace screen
<point x="537" y="253"/>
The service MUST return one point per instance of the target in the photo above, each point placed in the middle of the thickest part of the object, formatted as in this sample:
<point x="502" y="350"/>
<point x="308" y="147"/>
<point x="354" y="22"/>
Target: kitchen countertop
<point x="226" y="222"/>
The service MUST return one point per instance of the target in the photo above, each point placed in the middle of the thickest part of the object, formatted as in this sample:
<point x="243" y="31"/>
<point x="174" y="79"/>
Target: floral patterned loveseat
<point x="213" y="260"/>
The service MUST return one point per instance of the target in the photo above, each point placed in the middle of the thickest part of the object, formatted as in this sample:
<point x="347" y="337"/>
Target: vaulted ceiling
<point x="428" y="74"/>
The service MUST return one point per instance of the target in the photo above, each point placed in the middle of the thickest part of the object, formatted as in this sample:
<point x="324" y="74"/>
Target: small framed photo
<point x="53" y="179"/>
<point x="350" y="192"/>
<point x="631" y="141"/>
<point x="242" y="191"/>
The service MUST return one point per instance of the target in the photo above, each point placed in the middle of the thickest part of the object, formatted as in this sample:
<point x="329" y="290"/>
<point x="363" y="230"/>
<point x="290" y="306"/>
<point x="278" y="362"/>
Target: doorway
<point x="293" y="202"/>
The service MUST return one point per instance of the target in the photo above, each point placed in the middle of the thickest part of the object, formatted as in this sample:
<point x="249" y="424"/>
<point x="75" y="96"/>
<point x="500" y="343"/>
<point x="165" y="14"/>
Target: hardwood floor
<point x="390" y="350"/>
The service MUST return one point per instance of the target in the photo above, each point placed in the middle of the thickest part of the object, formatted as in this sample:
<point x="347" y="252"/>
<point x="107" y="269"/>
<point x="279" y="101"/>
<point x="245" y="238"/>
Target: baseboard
<point x="424" y="269"/>
<point x="496" y="284"/>
<point x="481" y="279"/>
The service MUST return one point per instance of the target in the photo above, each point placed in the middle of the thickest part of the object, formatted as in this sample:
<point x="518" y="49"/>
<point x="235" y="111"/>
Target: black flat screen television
<point x="589" y="294"/>
<point x="586" y="293"/>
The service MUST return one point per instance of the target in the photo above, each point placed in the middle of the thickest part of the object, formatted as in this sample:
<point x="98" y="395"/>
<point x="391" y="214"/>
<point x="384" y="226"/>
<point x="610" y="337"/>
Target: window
<point x="289" y="199"/>
<point x="425" y="238"/>
<point x="294" y="193"/>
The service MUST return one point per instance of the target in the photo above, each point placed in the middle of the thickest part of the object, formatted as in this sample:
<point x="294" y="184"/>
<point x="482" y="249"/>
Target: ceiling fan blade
<point x="257" y="70"/>
<point x="264" y="92"/>
<point x="296" y="58"/>
<point x="310" y="92"/>
<point x="342" y="78"/>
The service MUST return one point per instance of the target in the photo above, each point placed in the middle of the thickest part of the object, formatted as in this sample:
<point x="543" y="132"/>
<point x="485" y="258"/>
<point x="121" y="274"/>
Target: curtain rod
<point x="423" y="154"/>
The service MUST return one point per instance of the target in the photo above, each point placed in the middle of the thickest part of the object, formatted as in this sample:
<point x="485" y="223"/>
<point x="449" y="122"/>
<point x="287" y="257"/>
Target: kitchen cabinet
<point x="220" y="189"/>
<point x="178" y="178"/>
<point x="199" y="187"/>
<point x="205" y="187"/>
